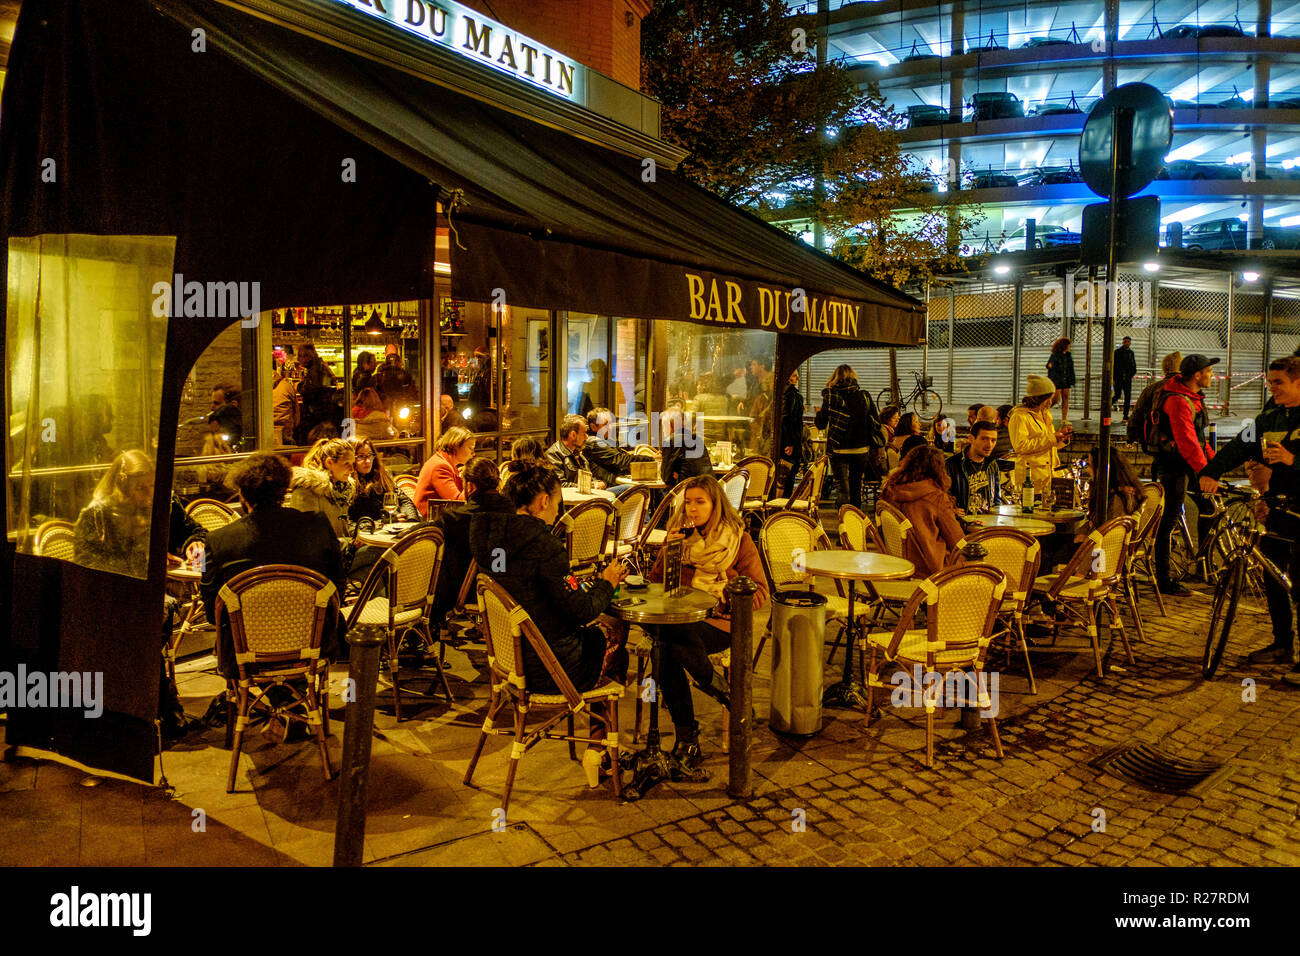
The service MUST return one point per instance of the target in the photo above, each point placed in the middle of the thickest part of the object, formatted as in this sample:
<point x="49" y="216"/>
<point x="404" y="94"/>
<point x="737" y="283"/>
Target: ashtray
<point x="635" y="582"/>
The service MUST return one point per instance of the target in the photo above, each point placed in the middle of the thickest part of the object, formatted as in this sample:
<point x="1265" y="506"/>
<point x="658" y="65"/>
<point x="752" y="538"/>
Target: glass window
<point x="85" y="337"/>
<point x="725" y="377"/>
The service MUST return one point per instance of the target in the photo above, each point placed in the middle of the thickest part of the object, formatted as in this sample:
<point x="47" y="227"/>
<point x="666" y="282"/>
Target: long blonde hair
<point x="334" y="448"/>
<point x="126" y="468"/>
<point x="722" y="514"/>
<point x="843" y="375"/>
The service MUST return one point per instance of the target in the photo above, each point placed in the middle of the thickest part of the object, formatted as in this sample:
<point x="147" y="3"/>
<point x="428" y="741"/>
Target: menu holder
<point x="723" y="451"/>
<point x="672" y="552"/>
<point x="584" y="482"/>
<point x="1064" y="490"/>
<point x="645" y="470"/>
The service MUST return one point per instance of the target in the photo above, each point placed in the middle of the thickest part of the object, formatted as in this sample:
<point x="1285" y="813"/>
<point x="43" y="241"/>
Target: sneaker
<point x="1292" y="677"/>
<point x="1173" y="589"/>
<point x="1270" y="655"/>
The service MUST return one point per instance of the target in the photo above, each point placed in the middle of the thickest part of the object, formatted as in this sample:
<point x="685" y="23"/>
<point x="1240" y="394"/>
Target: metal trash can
<point x="798" y="635"/>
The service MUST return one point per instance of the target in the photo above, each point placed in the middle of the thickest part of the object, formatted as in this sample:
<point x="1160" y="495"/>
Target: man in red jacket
<point x="1181" y="451"/>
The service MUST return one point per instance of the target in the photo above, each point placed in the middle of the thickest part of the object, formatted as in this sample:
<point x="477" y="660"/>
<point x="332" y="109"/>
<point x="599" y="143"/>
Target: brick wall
<point x="593" y="32"/>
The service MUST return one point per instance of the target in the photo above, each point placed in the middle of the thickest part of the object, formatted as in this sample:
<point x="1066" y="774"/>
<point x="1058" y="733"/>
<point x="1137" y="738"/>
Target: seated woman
<point x="326" y="483"/>
<point x="716" y="550"/>
<point x="919" y="489"/>
<point x="112" y="532"/>
<point x="269" y="533"/>
<point x="482" y="495"/>
<point x="523" y="449"/>
<point x="534" y="569"/>
<point x="370" y="418"/>
<point x="1125" y="496"/>
<point x="440" y="476"/>
<point x="905" y="427"/>
<point x="373" y="482"/>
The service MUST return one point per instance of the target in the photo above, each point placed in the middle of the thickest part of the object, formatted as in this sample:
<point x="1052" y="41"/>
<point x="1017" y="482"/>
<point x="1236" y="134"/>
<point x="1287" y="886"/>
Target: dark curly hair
<point x="527" y="480"/>
<point x="921" y="463"/>
<point x="262" y="479"/>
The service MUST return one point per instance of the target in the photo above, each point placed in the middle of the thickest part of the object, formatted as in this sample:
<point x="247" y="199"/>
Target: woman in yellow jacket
<point x="1034" y="440"/>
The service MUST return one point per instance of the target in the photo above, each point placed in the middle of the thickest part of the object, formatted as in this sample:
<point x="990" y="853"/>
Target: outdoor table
<point x="1033" y="525"/>
<point x="651" y="607"/>
<point x="572" y="496"/>
<point x="854" y="566"/>
<point x="386" y="536"/>
<point x="1065" y="519"/>
<point x="189" y="578"/>
<point x="657" y="484"/>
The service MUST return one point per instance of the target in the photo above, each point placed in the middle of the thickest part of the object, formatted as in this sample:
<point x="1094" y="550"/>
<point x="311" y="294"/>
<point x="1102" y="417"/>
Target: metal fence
<point x="985" y="338"/>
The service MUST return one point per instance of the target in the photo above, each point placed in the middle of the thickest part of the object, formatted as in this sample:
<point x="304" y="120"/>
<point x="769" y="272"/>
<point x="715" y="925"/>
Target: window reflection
<point x="725" y="377"/>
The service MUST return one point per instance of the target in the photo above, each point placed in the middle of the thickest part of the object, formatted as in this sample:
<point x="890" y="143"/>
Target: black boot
<point x="715" y="687"/>
<point x="686" y="759"/>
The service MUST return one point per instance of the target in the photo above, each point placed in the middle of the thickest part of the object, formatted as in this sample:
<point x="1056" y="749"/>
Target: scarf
<point x="712" y="558"/>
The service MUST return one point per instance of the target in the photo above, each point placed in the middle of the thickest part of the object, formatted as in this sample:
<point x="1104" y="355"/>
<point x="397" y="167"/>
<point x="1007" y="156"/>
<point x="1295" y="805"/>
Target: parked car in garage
<point x="992" y="180"/>
<point x="1232" y="234"/>
<point x="925" y="115"/>
<point x="1190" y="169"/>
<point x="989" y="106"/>
<point x="1056" y="109"/>
<point x="1045" y="237"/>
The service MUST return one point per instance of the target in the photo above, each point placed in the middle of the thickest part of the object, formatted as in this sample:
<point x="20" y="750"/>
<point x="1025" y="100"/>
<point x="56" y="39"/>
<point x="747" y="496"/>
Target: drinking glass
<point x="390" y="505"/>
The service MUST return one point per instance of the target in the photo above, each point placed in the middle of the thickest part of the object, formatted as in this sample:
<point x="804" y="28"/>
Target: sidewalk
<point x="846" y="796"/>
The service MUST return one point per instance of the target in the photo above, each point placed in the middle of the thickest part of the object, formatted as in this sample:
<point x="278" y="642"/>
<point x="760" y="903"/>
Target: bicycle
<point x="922" y="396"/>
<point x="1245" y="562"/>
<point x="1208" y="558"/>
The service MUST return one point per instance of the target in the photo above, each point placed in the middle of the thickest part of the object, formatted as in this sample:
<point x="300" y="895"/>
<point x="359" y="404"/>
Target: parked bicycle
<point x="1245" y="565"/>
<point x="1221" y="531"/>
<point x="922" y="399"/>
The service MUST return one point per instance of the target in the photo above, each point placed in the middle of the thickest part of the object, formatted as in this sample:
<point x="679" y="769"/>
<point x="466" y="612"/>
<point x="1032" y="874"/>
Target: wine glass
<point x="390" y="505"/>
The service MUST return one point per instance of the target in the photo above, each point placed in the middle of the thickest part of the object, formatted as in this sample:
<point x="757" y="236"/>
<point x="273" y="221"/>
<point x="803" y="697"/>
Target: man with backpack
<point x="1176" y="439"/>
<point x="1140" y="420"/>
<point x="1272" y="442"/>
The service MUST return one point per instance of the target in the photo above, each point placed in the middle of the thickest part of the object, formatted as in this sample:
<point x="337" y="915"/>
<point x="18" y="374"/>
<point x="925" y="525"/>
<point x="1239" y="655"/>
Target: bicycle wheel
<point x="1181" y="560"/>
<point x="885" y="398"/>
<point x="1226" y="593"/>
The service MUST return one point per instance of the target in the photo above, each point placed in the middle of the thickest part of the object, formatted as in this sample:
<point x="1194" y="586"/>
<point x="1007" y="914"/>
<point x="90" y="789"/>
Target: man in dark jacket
<point x="523" y="556"/>
<point x="974" y="470"/>
<point x="1125" y="368"/>
<point x="791" y="431"/>
<point x="1180" y="451"/>
<point x="268" y="534"/>
<point x="684" y="454"/>
<point x="608" y="461"/>
<point x="1272" y="441"/>
<point x="567" y="457"/>
<point x="455" y="522"/>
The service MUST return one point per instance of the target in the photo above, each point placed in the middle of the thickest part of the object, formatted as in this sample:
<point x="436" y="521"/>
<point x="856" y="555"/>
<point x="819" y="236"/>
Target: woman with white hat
<point x="1034" y="439"/>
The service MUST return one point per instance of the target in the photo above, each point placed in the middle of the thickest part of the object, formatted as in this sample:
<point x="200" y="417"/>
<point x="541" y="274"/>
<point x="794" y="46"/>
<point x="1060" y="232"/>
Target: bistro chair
<point x="277" y="618"/>
<point x="585" y="529"/>
<point x="507" y="627"/>
<point x="734" y="484"/>
<point x="892" y="538"/>
<point x="1017" y="555"/>
<point x="857" y="533"/>
<point x="1090" y="581"/>
<point x="961" y="609"/>
<point x="655" y="532"/>
<point x="807" y="494"/>
<point x="410" y="568"/>
<point x="786" y="536"/>
<point x="1142" y="553"/>
<point x="762" y="475"/>
<point x="210" y="514"/>
<point x="631" y="509"/>
<point x="55" y="539"/>
<point x="407" y="484"/>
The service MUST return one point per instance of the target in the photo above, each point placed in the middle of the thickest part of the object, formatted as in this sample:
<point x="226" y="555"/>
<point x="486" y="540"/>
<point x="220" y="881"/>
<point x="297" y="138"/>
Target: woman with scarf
<point x="716" y="550"/>
<point x="326" y="483"/>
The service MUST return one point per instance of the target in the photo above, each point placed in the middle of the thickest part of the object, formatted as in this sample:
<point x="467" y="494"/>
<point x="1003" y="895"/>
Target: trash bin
<point x="798" y="635"/>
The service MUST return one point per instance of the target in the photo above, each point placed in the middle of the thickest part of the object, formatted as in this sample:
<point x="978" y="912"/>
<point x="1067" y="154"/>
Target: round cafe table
<point x="1033" y="525"/>
<point x="651" y="608"/>
<point x="854" y="566"/>
<point x="387" y="535"/>
<point x="1065" y="516"/>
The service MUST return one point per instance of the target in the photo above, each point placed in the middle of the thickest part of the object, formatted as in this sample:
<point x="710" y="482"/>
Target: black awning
<point x="557" y="222"/>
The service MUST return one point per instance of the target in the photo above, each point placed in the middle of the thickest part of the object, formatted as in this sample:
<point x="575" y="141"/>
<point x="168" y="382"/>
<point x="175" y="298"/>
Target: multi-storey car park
<point x="995" y="94"/>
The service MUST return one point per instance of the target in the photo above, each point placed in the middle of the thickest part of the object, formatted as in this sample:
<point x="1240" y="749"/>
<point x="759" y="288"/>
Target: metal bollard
<point x="359" y="721"/>
<point x="740" y="781"/>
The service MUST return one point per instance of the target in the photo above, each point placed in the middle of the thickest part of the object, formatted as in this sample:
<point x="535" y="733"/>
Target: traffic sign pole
<point x="1121" y="141"/>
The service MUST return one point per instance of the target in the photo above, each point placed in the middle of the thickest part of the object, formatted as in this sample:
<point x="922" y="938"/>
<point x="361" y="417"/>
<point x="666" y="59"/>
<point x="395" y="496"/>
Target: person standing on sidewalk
<point x="791" y="432"/>
<point x="1125" y="369"/>
<point x="1060" y="369"/>
<point x="1272" y="444"/>
<point x="1180" y="451"/>
<point x="853" y="432"/>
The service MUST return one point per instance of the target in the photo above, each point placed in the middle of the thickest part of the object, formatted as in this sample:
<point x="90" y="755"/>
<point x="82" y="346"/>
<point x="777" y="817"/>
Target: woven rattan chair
<point x="407" y="484"/>
<point x="655" y="530"/>
<point x="1142" y="553"/>
<point x="890" y="597"/>
<point x="734" y="484"/>
<point x="277" y="617"/>
<point x="785" y="536"/>
<point x="631" y="511"/>
<point x="807" y="494"/>
<point x="961" y="608"/>
<point x="1090" y="581"/>
<point x="857" y="533"/>
<point x="762" y="474"/>
<point x="54" y="539"/>
<point x="210" y="514"/>
<point x="410" y="568"/>
<point x="585" y="529"/>
<point x="1017" y="555"/>
<point x="507" y="627"/>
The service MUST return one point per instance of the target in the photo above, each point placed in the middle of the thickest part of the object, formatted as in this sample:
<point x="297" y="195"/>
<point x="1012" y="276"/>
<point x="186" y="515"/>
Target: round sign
<point x="1147" y="118"/>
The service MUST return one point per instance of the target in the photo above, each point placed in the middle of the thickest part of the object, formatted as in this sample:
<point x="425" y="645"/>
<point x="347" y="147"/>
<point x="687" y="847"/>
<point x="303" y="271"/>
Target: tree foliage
<point x="742" y="93"/>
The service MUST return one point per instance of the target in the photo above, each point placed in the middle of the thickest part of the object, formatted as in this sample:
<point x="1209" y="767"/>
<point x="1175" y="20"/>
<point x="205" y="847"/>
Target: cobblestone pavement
<point x="1043" y="804"/>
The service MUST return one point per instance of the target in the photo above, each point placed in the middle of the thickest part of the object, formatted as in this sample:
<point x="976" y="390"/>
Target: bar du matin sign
<point x="481" y="39"/>
<point x="725" y="301"/>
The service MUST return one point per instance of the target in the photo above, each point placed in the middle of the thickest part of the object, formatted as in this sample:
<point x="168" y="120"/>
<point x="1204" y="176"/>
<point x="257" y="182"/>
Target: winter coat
<point x="455" y="521"/>
<point x="375" y="426"/>
<point x="849" y="416"/>
<point x="933" y="515"/>
<point x="792" y="424"/>
<point x="961" y="470"/>
<point x="1126" y="366"/>
<point x="439" y="478"/>
<point x="535" y="572"/>
<point x="310" y="489"/>
<point x="1060" y="369"/>
<point x="1033" y="439"/>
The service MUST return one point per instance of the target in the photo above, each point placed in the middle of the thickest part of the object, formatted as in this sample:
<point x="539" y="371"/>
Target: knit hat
<point x="1039" y="385"/>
